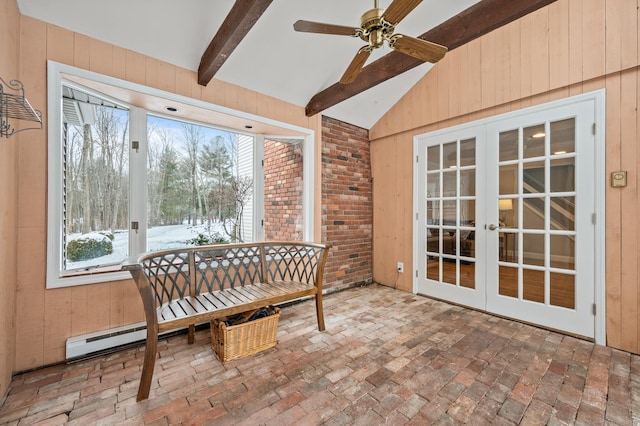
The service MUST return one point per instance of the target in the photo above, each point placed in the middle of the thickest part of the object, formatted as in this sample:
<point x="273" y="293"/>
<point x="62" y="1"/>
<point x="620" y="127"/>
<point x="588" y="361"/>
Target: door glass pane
<point x="449" y="271"/>
<point x="533" y="141"/>
<point x="562" y="290"/>
<point x="563" y="175"/>
<point x="508" y="208"/>
<point x="467" y="244"/>
<point x="533" y="213"/>
<point x="508" y="179"/>
<point x="468" y="152"/>
<point x="433" y="240"/>
<point x="449" y="155"/>
<point x="467" y="274"/>
<point x="467" y="183"/>
<point x="563" y="251"/>
<point x="508" y="281"/>
<point x="563" y="136"/>
<point x="449" y="183"/>
<point x="508" y="247"/>
<point x="467" y="212"/>
<point x="433" y="184"/>
<point x="433" y="212"/>
<point x="533" y="249"/>
<point x="508" y="145"/>
<point x="449" y="243"/>
<point x="533" y="285"/>
<point x="534" y="178"/>
<point x="449" y="213"/>
<point x="433" y="158"/>
<point x="433" y="268"/>
<point x="562" y="213"/>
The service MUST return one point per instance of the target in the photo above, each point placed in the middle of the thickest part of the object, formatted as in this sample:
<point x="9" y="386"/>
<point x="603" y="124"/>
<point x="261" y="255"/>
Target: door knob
<point x="492" y="227"/>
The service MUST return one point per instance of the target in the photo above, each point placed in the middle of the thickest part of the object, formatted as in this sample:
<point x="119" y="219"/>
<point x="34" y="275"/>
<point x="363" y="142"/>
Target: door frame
<point x="598" y="98"/>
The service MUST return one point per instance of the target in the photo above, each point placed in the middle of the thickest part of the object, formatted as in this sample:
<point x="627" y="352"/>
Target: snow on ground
<point x="158" y="238"/>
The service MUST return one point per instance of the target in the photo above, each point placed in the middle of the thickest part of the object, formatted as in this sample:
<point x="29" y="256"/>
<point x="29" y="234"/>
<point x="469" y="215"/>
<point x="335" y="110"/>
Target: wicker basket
<point x="237" y="341"/>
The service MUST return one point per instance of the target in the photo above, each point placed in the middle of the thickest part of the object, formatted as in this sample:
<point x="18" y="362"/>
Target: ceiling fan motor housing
<point x="374" y="29"/>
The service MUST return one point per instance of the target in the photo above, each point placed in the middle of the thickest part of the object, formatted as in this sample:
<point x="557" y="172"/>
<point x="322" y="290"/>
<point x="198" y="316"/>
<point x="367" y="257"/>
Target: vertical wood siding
<point x="567" y="48"/>
<point x="9" y="30"/>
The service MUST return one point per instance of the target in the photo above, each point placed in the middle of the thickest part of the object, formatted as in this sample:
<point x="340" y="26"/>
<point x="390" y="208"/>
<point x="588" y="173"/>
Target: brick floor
<point x="387" y="357"/>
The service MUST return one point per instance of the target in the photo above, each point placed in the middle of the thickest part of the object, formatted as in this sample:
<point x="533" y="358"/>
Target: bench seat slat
<point x="247" y="296"/>
<point x="223" y="298"/>
<point x="205" y="303"/>
<point x="187" y="306"/>
<point x="287" y="286"/>
<point x="256" y="291"/>
<point x="171" y="311"/>
<point x="209" y="303"/>
<point x="268" y="289"/>
<point x="180" y="308"/>
<point x="212" y="300"/>
<point x="234" y="295"/>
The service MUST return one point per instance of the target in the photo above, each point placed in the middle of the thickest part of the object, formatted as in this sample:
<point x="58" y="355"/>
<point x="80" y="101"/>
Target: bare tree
<point x="159" y="155"/>
<point x="85" y="165"/>
<point x="192" y="137"/>
<point x="241" y="189"/>
<point x="111" y="139"/>
<point x="217" y="165"/>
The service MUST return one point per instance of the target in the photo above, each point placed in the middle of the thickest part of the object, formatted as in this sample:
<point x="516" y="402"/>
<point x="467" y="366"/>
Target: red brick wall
<point x="282" y="191"/>
<point x="347" y="204"/>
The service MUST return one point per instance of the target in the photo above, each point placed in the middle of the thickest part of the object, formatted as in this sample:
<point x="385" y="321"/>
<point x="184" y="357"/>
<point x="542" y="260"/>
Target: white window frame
<point x="56" y="277"/>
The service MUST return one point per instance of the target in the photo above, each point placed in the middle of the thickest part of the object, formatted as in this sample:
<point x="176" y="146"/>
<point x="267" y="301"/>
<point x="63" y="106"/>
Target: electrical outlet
<point x="400" y="267"/>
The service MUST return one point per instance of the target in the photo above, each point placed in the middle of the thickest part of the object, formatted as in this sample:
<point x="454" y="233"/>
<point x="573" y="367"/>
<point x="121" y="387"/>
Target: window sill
<point x="97" y="275"/>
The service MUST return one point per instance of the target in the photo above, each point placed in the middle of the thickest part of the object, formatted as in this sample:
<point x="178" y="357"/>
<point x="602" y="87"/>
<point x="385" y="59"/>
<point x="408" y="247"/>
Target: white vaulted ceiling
<point x="272" y="59"/>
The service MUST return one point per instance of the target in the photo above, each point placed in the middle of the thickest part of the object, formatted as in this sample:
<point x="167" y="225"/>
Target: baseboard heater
<point x="106" y="340"/>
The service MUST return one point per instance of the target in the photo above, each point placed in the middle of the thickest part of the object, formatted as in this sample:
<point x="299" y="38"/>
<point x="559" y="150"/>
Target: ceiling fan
<point x="376" y="27"/>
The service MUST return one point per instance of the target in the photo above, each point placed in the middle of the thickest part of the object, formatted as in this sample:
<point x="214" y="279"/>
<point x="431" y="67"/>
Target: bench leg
<point x="319" y="312"/>
<point x="191" y="337"/>
<point x="150" y="351"/>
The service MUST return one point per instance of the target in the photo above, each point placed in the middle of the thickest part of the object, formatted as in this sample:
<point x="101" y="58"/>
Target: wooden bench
<point x="187" y="286"/>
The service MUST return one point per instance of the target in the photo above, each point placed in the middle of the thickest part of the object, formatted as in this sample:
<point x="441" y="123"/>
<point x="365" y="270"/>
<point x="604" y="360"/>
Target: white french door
<point x="504" y="215"/>
<point x="451" y="204"/>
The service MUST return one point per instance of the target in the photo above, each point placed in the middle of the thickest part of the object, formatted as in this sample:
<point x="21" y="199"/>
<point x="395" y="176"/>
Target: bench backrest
<point x="176" y="273"/>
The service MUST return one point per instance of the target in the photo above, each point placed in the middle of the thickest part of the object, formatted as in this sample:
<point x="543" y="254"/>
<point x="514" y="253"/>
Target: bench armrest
<point x="130" y="264"/>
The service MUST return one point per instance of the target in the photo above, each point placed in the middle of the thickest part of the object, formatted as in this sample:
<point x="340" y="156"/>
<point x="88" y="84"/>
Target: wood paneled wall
<point x="9" y="31"/>
<point x="46" y="318"/>
<point x="567" y="48"/>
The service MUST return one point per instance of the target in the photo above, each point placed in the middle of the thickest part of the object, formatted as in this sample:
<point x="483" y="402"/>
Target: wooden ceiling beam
<point x="475" y="21"/>
<point x="243" y="15"/>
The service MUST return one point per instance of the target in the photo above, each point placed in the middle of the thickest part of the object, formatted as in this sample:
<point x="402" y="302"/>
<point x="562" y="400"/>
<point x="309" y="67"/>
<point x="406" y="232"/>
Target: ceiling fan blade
<point x="356" y="65"/>
<point x="418" y="48"/>
<point x="398" y="9"/>
<point x="320" y="28"/>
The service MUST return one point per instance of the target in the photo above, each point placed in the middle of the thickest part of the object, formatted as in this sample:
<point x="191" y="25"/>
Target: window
<point x="95" y="185"/>
<point x="127" y="178"/>
<point x="196" y="192"/>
